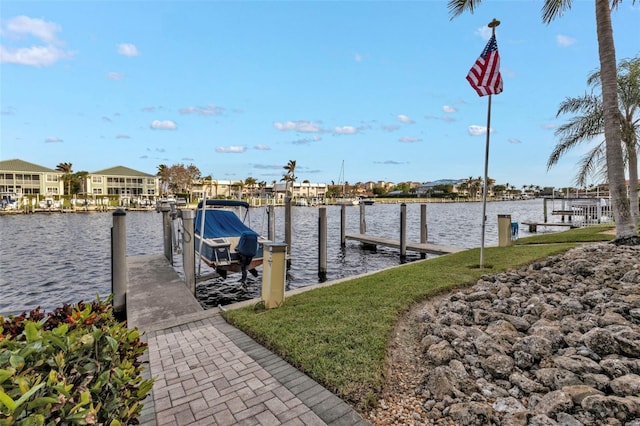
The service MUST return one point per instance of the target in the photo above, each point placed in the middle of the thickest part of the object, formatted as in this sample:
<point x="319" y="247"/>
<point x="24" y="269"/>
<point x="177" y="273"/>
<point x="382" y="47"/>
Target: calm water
<point x="50" y="259"/>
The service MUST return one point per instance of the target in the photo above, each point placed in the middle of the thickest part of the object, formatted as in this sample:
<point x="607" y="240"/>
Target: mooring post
<point x="119" y="264"/>
<point x="274" y="275"/>
<point x="287" y="228"/>
<point x="188" y="250"/>
<point x="343" y="226"/>
<point x="544" y="209"/>
<point x="403" y="232"/>
<point x="423" y="227"/>
<point x="271" y="222"/>
<point x="363" y="222"/>
<point x="322" y="244"/>
<point x="166" y="231"/>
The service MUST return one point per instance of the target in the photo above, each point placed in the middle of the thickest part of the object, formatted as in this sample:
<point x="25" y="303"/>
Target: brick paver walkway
<point x="209" y="373"/>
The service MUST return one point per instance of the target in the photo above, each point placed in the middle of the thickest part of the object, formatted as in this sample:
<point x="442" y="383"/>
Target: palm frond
<point x="589" y="164"/>
<point x="458" y="7"/>
<point x="552" y="9"/>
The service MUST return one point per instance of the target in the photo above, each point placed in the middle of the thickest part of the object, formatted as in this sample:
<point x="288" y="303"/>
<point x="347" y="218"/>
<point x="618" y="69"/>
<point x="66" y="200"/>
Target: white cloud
<point x="52" y="139"/>
<point x="115" y="76"/>
<point x="449" y="109"/>
<point x="390" y="127"/>
<point x="121" y="136"/>
<point x="357" y="57"/>
<point x="345" y="130"/>
<point x="207" y="111"/>
<point x="42" y="30"/>
<point x="564" y="41"/>
<point x="128" y="49"/>
<point x="405" y="119"/>
<point x="406" y="139"/>
<point x="37" y="56"/>
<point x="514" y="140"/>
<point x="549" y="126"/>
<point x="298" y="126"/>
<point x="233" y="149"/>
<point x="475" y="130"/>
<point x="484" y="32"/>
<point x="261" y="147"/>
<point x="163" y="125"/>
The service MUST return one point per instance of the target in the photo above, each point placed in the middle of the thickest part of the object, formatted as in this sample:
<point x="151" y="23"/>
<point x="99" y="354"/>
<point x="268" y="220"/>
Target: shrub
<point x="75" y="365"/>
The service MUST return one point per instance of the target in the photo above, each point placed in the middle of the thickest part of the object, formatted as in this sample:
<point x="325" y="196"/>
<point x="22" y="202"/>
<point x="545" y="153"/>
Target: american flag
<point x="484" y="75"/>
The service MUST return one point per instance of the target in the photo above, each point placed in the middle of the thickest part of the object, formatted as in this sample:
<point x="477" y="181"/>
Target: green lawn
<point x="338" y="334"/>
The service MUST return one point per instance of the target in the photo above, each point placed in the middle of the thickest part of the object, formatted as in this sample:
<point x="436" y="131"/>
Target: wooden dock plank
<point x="411" y="246"/>
<point x="533" y="226"/>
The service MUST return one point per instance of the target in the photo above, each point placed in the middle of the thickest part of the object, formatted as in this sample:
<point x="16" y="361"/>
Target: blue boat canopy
<point x="220" y="223"/>
<point x="225" y="203"/>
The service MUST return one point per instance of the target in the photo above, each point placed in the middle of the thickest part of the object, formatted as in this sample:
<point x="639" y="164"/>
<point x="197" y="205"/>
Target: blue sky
<point x="240" y="88"/>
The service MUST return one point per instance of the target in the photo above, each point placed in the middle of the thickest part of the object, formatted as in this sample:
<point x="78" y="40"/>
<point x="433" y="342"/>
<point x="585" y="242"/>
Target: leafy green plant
<point x="75" y="365"/>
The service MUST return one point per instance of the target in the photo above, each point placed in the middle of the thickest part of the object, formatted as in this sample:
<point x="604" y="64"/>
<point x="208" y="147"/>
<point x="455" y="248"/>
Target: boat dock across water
<point x="370" y="240"/>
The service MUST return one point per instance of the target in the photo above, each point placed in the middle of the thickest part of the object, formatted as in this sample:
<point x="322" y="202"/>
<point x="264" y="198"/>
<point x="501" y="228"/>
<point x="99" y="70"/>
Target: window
<point x="96" y="179"/>
<point x="97" y="191"/>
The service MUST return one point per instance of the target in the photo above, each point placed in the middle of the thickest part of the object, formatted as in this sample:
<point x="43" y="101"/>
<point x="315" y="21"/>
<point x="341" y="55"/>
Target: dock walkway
<point x="411" y="246"/>
<point x="208" y="372"/>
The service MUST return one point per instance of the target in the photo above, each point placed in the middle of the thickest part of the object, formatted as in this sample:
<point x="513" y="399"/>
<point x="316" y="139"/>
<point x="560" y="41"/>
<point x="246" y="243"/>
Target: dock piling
<point x="287" y="228"/>
<point x="363" y="222"/>
<point x="119" y="263"/>
<point x="271" y="222"/>
<point x="322" y="244"/>
<point x="343" y="226"/>
<point x="166" y="231"/>
<point x="403" y="232"/>
<point x="188" y="250"/>
<point x="423" y="227"/>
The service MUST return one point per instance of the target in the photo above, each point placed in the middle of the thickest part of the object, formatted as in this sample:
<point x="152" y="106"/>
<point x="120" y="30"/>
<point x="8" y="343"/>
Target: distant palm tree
<point x="289" y="178"/>
<point x="551" y="9"/>
<point x="67" y="169"/>
<point x="163" y="174"/>
<point x="250" y="183"/>
<point x="207" y="184"/>
<point x="590" y="124"/>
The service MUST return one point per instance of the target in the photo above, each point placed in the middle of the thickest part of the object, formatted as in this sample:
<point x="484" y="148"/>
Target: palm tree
<point x="290" y="176"/>
<point x="583" y="128"/>
<point x="163" y="174"/>
<point x="206" y="186"/>
<point x="625" y="223"/>
<point x="250" y="183"/>
<point x="67" y="169"/>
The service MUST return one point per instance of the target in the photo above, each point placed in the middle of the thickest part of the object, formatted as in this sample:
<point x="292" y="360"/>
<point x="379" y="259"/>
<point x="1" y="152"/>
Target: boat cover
<point x="220" y="223"/>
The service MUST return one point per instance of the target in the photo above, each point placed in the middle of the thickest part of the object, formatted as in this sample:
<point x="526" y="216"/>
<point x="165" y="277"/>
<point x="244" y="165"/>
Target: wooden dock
<point x="533" y="227"/>
<point x="411" y="246"/>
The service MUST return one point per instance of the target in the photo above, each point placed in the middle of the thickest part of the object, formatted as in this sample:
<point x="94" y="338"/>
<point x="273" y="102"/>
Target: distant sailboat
<point x="344" y="199"/>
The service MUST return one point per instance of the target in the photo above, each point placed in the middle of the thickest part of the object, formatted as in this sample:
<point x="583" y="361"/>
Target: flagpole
<point x="493" y="24"/>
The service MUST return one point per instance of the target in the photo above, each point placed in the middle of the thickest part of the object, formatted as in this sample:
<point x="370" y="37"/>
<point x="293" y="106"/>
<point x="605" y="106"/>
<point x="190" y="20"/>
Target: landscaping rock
<point x="556" y="342"/>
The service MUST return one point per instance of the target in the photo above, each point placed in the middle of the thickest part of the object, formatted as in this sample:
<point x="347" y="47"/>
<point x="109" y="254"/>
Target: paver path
<point x="209" y="373"/>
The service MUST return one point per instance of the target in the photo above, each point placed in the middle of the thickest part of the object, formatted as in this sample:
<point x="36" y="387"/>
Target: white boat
<point x="302" y="202"/>
<point x="8" y="201"/>
<point x="50" y="203"/>
<point x="346" y="201"/>
<point x="223" y="241"/>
